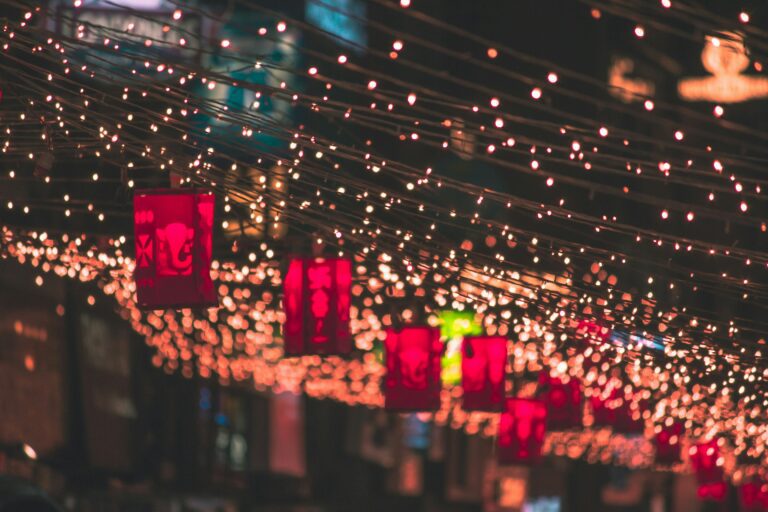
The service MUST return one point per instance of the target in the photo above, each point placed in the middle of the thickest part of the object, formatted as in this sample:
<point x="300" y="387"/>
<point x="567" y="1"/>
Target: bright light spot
<point x="313" y="70"/>
<point x="603" y="131"/>
<point x="499" y="123"/>
<point x="495" y="102"/>
<point x="744" y="17"/>
<point x="411" y="98"/>
<point x="743" y="206"/>
<point x="719" y="111"/>
<point x="372" y="84"/>
<point x="552" y="78"/>
<point x="536" y="93"/>
<point x="649" y="105"/>
<point x="405" y="3"/>
<point x="639" y="31"/>
<point x="177" y="14"/>
<point x="397" y="45"/>
<point x="342" y="59"/>
<point x="225" y="43"/>
<point x="493" y="53"/>
<point x="281" y="26"/>
<point x="679" y="135"/>
<point x="690" y="216"/>
<point x="664" y="214"/>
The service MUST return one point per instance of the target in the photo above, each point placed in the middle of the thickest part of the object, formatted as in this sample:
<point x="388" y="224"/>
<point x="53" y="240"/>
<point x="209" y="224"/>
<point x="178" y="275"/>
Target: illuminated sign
<point x="726" y="58"/>
<point x="343" y="18"/>
<point x="624" y="87"/>
<point x="135" y="22"/>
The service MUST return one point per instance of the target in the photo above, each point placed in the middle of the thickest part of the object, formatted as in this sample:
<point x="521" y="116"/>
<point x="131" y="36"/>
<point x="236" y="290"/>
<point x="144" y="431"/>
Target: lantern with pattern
<point x="316" y="300"/>
<point x="483" y="368"/>
<point x="754" y="496"/>
<point x="522" y="427"/>
<point x="708" y="466"/>
<point x="563" y="400"/>
<point x="413" y="369"/>
<point x="173" y="232"/>
<point x="668" y="444"/>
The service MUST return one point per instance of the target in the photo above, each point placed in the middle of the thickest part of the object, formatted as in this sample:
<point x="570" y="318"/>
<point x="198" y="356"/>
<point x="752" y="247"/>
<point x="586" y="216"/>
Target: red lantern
<point x="522" y="427"/>
<point x="706" y="462"/>
<point x="483" y="368"/>
<point x="616" y="408"/>
<point x="668" y="443"/>
<point x="713" y="491"/>
<point x="317" y="294"/>
<point x="754" y="496"/>
<point x="563" y="401"/>
<point x="413" y="369"/>
<point x="173" y="230"/>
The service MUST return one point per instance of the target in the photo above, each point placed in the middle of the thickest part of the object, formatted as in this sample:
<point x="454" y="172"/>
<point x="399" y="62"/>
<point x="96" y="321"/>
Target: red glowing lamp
<point x="413" y="369"/>
<point x="483" y="368"/>
<point x="173" y="234"/>
<point x="317" y="295"/>
<point x="522" y="427"/>
<point x="668" y="444"/>
<point x="563" y="401"/>
<point x="616" y="408"/>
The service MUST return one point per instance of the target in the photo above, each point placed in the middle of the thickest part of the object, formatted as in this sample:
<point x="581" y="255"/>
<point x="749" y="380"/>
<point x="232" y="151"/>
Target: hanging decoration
<point x="316" y="299"/>
<point x="483" y="368"/>
<point x="413" y="369"/>
<point x="562" y="396"/>
<point x="522" y="428"/>
<point x="754" y="496"/>
<point x="707" y="463"/>
<point x="669" y="443"/>
<point x="173" y="240"/>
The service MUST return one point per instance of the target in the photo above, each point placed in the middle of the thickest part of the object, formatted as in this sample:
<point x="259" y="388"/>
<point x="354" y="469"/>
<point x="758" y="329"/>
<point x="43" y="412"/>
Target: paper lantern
<point x="563" y="401"/>
<point x="483" y="368"/>
<point x="713" y="491"/>
<point x="754" y="496"/>
<point x="522" y="427"/>
<point x="317" y="294"/>
<point x="668" y="444"/>
<point x="617" y="408"/>
<point x="413" y="369"/>
<point x="706" y="462"/>
<point x="173" y="232"/>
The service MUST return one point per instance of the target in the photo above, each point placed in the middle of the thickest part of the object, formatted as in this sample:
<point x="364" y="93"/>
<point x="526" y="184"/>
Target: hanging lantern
<point x="173" y="231"/>
<point x="713" y="491"/>
<point x="522" y="427"/>
<point x="754" y="496"/>
<point x="483" y="368"/>
<point x="706" y="461"/>
<point x="413" y="369"/>
<point x="317" y="295"/>
<point x="668" y="443"/>
<point x="616" y="407"/>
<point x="563" y="401"/>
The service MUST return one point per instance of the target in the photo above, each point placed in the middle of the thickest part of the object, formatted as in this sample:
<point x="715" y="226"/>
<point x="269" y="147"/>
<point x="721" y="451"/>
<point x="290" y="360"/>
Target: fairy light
<point x="201" y="355"/>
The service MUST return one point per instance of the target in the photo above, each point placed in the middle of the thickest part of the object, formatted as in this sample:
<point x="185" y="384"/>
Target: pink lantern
<point x="754" y="496"/>
<point x="668" y="443"/>
<point x="563" y="401"/>
<point x="522" y="427"/>
<point x="173" y="235"/>
<point x="705" y="459"/>
<point x="616" y="408"/>
<point x="483" y="368"/>
<point x="713" y="491"/>
<point x="413" y="369"/>
<point x="317" y="295"/>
